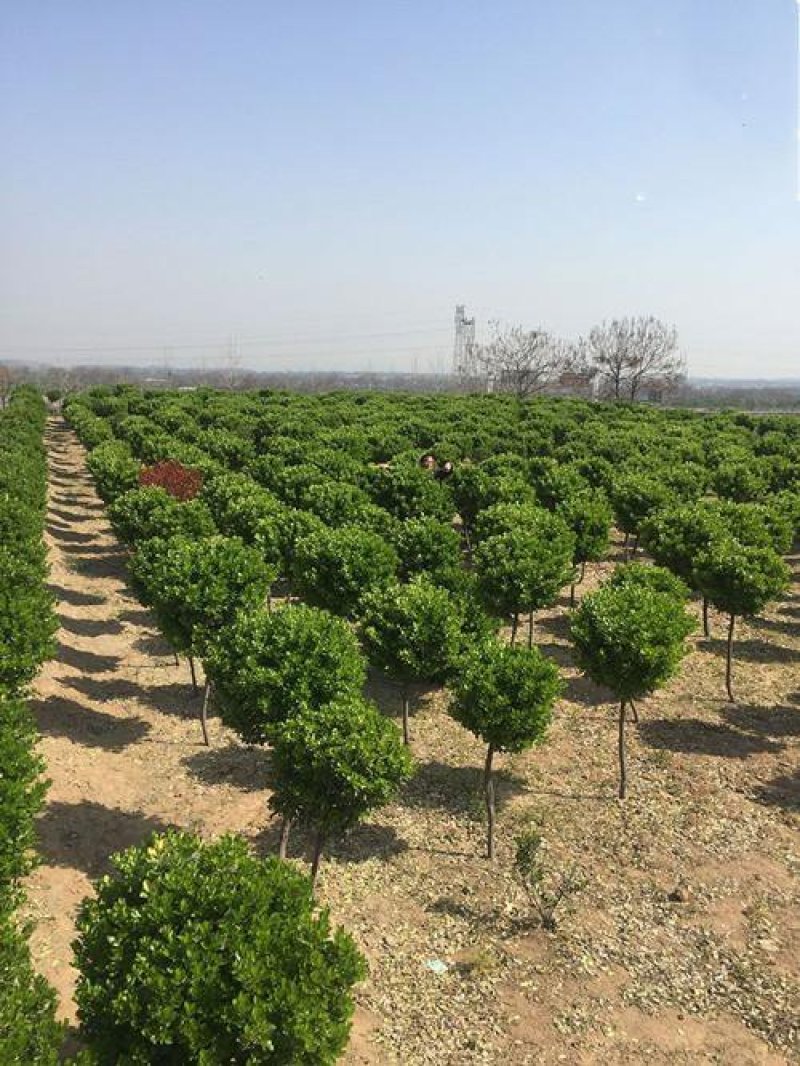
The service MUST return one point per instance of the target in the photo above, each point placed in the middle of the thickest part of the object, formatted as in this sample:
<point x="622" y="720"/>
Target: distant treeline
<point x="746" y="396"/>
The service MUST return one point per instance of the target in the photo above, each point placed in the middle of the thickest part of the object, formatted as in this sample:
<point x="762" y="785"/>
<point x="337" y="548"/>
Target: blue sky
<point x="324" y="181"/>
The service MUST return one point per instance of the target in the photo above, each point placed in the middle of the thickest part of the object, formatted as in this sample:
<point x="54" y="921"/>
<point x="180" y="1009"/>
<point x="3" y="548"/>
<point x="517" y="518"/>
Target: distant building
<point x="581" y="384"/>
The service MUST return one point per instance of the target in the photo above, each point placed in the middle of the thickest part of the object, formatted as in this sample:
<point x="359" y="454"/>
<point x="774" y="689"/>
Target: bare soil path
<point x="681" y="948"/>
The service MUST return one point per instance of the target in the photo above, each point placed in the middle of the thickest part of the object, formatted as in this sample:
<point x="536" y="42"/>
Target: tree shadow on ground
<point x="82" y="836"/>
<point x="364" y="842"/>
<point x="74" y="597"/>
<point x="153" y="644"/>
<point x="244" y="768"/>
<point x="756" y="651"/>
<point x="109" y="563"/>
<point x="581" y="689"/>
<point x="90" y="627"/>
<point x="782" y="791"/>
<point x="175" y="698"/>
<point x="764" y="721"/>
<point x="137" y="616"/>
<point x="561" y="654"/>
<point x="557" y="625"/>
<point x="73" y="517"/>
<point x="87" y="662"/>
<point x="69" y="536"/>
<point x="792" y="612"/>
<point x="457" y="789"/>
<point x="388" y="694"/>
<point x="789" y="629"/>
<point x="57" y="716"/>
<point x="692" y="736"/>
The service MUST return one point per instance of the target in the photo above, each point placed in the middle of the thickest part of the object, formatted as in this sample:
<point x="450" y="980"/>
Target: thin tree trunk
<point x="488" y="786"/>
<point x="514" y="625"/>
<point x="269" y="602"/>
<point x="623" y="779"/>
<point x="204" y="712"/>
<point x="194" y="675"/>
<point x="177" y="660"/>
<point x="729" y="658"/>
<point x="583" y="571"/>
<point x="283" y="843"/>
<point x="635" y="544"/>
<point x="706" y="630"/>
<point x="530" y="630"/>
<point x="625" y="542"/>
<point x="572" y="594"/>
<point x="406" y="735"/>
<point x="319" y="844"/>
<point x="634" y="712"/>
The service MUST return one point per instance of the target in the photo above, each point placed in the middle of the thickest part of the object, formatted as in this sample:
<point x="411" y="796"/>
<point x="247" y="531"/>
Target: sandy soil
<point x="682" y="945"/>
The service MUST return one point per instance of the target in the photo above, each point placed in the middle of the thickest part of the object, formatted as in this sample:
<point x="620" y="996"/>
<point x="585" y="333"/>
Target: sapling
<point x="505" y="696"/>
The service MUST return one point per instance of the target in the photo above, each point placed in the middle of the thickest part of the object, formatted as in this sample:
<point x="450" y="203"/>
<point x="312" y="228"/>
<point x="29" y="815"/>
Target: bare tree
<point x="522" y="361"/>
<point x="630" y="351"/>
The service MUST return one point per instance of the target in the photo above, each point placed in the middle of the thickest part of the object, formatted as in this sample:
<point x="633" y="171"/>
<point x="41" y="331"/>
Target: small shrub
<point x="194" y="952"/>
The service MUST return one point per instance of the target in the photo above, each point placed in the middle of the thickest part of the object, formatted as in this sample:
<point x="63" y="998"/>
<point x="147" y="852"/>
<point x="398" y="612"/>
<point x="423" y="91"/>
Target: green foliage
<point x="334" y="568"/>
<point x="196" y="587"/>
<point x="740" y="579"/>
<point x="29" y="1032"/>
<point x="408" y="491"/>
<point x="335" y="763"/>
<point x="675" y="536"/>
<point x="428" y="546"/>
<point x="194" y="952"/>
<point x="588" y="514"/>
<point x="266" y="667"/>
<point x="635" y="497"/>
<point x="22" y="790"/>
<point x="113" y="468"/>
<point x="505" y="695"/>
<point x="412" y="632"/>
<point x="630" y="637"/>
<point x="142" y="513"/>
<point x="656" y="578"/>
<point x="241" y="508"/>
<point x="524" y="570"/>
<point x="739" y="481"/>
<point x="27" y="621"/>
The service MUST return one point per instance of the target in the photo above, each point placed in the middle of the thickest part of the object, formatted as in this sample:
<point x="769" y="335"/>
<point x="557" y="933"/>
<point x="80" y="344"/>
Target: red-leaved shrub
<point x="175" y="478"/>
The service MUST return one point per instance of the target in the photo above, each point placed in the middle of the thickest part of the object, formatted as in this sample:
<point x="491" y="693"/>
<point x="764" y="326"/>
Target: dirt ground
<point x="682" y="944"/>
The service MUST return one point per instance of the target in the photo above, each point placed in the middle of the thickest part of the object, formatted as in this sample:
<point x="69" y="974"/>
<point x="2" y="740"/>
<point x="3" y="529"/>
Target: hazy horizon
<point x="317" y="186"/>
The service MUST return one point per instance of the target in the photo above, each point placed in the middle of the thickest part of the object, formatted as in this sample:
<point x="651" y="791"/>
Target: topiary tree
<point x="142" y="513"/>
<point x="739" y="579"/>
<point x="29" y="1032"/>
<point x="505" y="696"/>
<point x="656" y="578"/>
<point x="630" y="638"/>
<point x="199" y="952"/>
<point x="675" y="537"/>
<point x="196" y="587"/>
<point x="333" y="764"/>
<point x="113" y="469"/>
<point x="634" y="498"/>
<point x="22" y="790"/>
<point x="522" y="571"/>
<point x="265" y="666"/>
<point x="412" y="633"/>
<point x="407" y="491"/>
<point x="27" y="621"/>
<point x="334" y="568"/>
<point x="589" y="515"/>
<point x="428" y="546"/>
